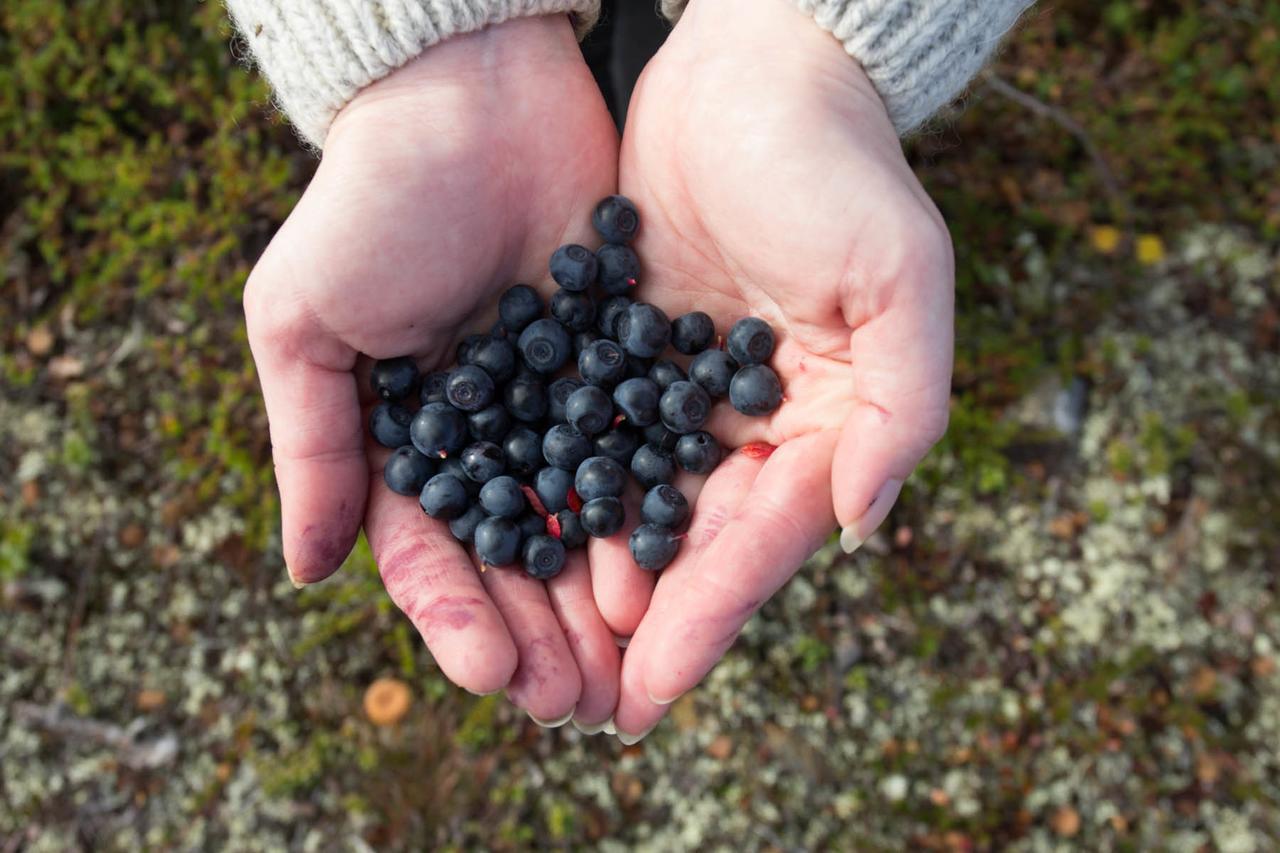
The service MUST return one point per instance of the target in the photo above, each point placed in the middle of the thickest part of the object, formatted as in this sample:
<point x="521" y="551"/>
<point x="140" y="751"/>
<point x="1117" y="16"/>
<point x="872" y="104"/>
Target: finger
<point x="590" y="641"/>
<point x="621" y="588"/>
<point x="317" y="444"/>
<point x="430" y="577"/>
<point x="785" y="518"/>
<point x="721" y="498"/>
<point x="546" y="683"/>
<point x="901" y="377"/>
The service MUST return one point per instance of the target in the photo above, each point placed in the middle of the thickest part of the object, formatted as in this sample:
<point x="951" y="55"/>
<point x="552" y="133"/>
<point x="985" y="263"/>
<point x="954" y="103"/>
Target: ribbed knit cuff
<point x="919" y="54"/>
<point x="318" y="53"/>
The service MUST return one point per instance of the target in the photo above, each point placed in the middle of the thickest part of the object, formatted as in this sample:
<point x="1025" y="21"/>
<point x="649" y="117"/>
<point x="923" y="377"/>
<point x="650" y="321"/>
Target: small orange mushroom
<point x="387" y="701"/>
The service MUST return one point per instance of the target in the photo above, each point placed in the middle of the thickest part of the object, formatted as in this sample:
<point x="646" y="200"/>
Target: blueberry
<point x="389" y="423"/>
<point x="574" y="267"/>
<point x="492" y="423"/>
<point x="495" y="356"/>
<point x="651" y="466"/>
<point x="531" y="524"/>
<point x="755" y="390"/>
<point x="469" y="388"/>
<point x="575" y="311"/>
<point x="393" y="379"/>
<point x="552" y="488"/>
<point x="666" y="506"/>
<point x="518" y="307"/>
<point x="438" y="430"/>
<point x="603" y="364"/>
<point x="664" y="372"/>
<point x="616" y="219"/>
<point x="523" y="449"/>
<point x="558" y="393"/>
<point x="643" y="330"/>
<point x="589" y="410"/>
<point x="582" y="340"/>
<point x="572" y="533"/>
<point x="653" y="547"/>
<point x="502" y="496"/>
<point x="526" y="398"/>
<point x="750" y="341"/>
<point x="497" y="541"/>
<point x="543" y="556"/>
<point x="693" y="332"/>
<point x="698" y="453"/>
<point x="565" y="447"/>
<point x="463" y="352"/>
<point x="637" y="368"/>
<point x="608" y="312"/>
<point x="637" y="401"/>
<point x="545" y="345"/>
<point x="599" y="477"/>
<point x="713" y="369"/>
<point x="453" y="466"/>
<point x="660" y="437"/>
<point x="432" y="390"/>
<point x="618" y="444"/>
<point x="407" y="471"/>
<point x="602" y="517"/>
<point x="444" y="497"/>
<point x="684" y="407"/>
<point x="464" y="526"/>
<point x="483" y="461"/>
<point x="619" y="268"/>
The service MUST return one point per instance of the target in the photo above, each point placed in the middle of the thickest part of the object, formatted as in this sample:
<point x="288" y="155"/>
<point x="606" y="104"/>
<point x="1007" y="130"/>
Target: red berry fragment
<point x="758" y="450"/>
<point x="575" y="502"/>
<point x="534" y="501"/>
<point x="553" y="526"/>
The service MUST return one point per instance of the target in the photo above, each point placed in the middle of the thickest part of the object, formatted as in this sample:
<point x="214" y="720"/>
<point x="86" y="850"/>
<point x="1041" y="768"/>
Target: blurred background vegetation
<point x="1066" y="635"/>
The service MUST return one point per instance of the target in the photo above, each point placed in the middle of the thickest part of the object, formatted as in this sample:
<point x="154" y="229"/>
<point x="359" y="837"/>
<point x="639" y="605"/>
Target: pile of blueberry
<point x="524" y="465"/>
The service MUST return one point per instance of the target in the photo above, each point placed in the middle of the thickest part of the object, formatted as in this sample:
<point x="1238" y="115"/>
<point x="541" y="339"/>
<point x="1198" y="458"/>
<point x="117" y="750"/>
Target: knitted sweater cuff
<point x="318" y="53"/>
<point x="919" y="54"/>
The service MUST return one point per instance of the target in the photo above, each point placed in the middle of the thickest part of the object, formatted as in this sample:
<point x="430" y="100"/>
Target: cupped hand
<point x="440" y="186"/>
<point x="771" y="183"/>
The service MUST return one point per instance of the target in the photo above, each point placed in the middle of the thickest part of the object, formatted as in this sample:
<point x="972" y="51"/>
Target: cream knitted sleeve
<point x="318" y="53"/>
<point x="919" y="53"/>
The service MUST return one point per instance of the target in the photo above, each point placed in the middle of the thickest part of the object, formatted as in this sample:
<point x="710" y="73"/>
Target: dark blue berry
<point x="463" y="352"/>
<point x="572" y="533"/>
<point x="643" y="330"/>
<point x="619" y="268"/>
<point x="495" y="356"/>
<point x="565" y="447"/>
<point x="637" y="368"/>
<point x="755" y="390"/>
<point x="545" y="345"/>
<point x="464" y="526"/>
<point x="432" y="390"/>
<point x="582" y="340"/>
<point x="526" y="398"/>
<point x="469" y="388"/>
<point x="589" y="410"/>
<point x="407" y="471"/>
<point x="693" y="332"/>
<point x="602" y="517"/>
<point x="558" y="393"/>
<point x="651" y="466"/>
<point x="575" y="311"/>
<point x="502" y="496"/>
<point x="616" y="219"/>
<point x="660" y="437"/>
<point x="492" y="423"/>
<point x="608" y="312"/>
<point x="665" y="505"/>
<point x="698" y="453"/>
<point x="684" y="407"/>
<point x="438" y="430"/>
<point x="543" y="556"/>
<point x="574" y="267"/>
<point x="664" y="372"/>
<point x="483" y="461"/>
<point x="531" y="524"/>
<point x="552" y="485"/>
<point x="713" y="369"/>
<point x="523" y="449"/>
<point x="618" y="444"/>
<point x="497" y="541"/>
<point x="637" y="401"/>
<point x="750" y="341"/>
<point x="444" y="497"/>
<point x="453" y="466"/>
<point x="599" y="477"/>
<point x="603" y="363"/>
<point x="653" y="547"/>
<point x="393" y="379"/>
<point x="389" y="423"/>
<point x="518" y="307"/>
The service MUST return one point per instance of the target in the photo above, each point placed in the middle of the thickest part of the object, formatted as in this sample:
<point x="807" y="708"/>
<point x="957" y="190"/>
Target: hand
<point x="440" y="186"/>
<point x="772" y="183"/>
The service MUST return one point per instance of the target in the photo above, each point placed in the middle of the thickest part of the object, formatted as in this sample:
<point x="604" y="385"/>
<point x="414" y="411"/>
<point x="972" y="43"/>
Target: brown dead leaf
<point x="40" y="341"/>
<point x="720" y="748"/>
<point x="150" y="700"/>
<point x="65" y="367"/>
<point x="1204" y="681"/>
<point x="1065" y="822"/>
<point x="132" y="535"/>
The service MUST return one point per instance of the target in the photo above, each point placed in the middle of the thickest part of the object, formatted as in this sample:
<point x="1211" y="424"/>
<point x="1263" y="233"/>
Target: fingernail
<point x="609" y="728"/>
<point x="593" y="730"/>
<point x="664" y="701"/>
<point x="853" y="535"/>
<point x="631" y="740"/>
<point x="478" y="693"/>
<point x="297" y="584"/>
<point x="622" y="642"/>
<point x="553" y="724"/>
